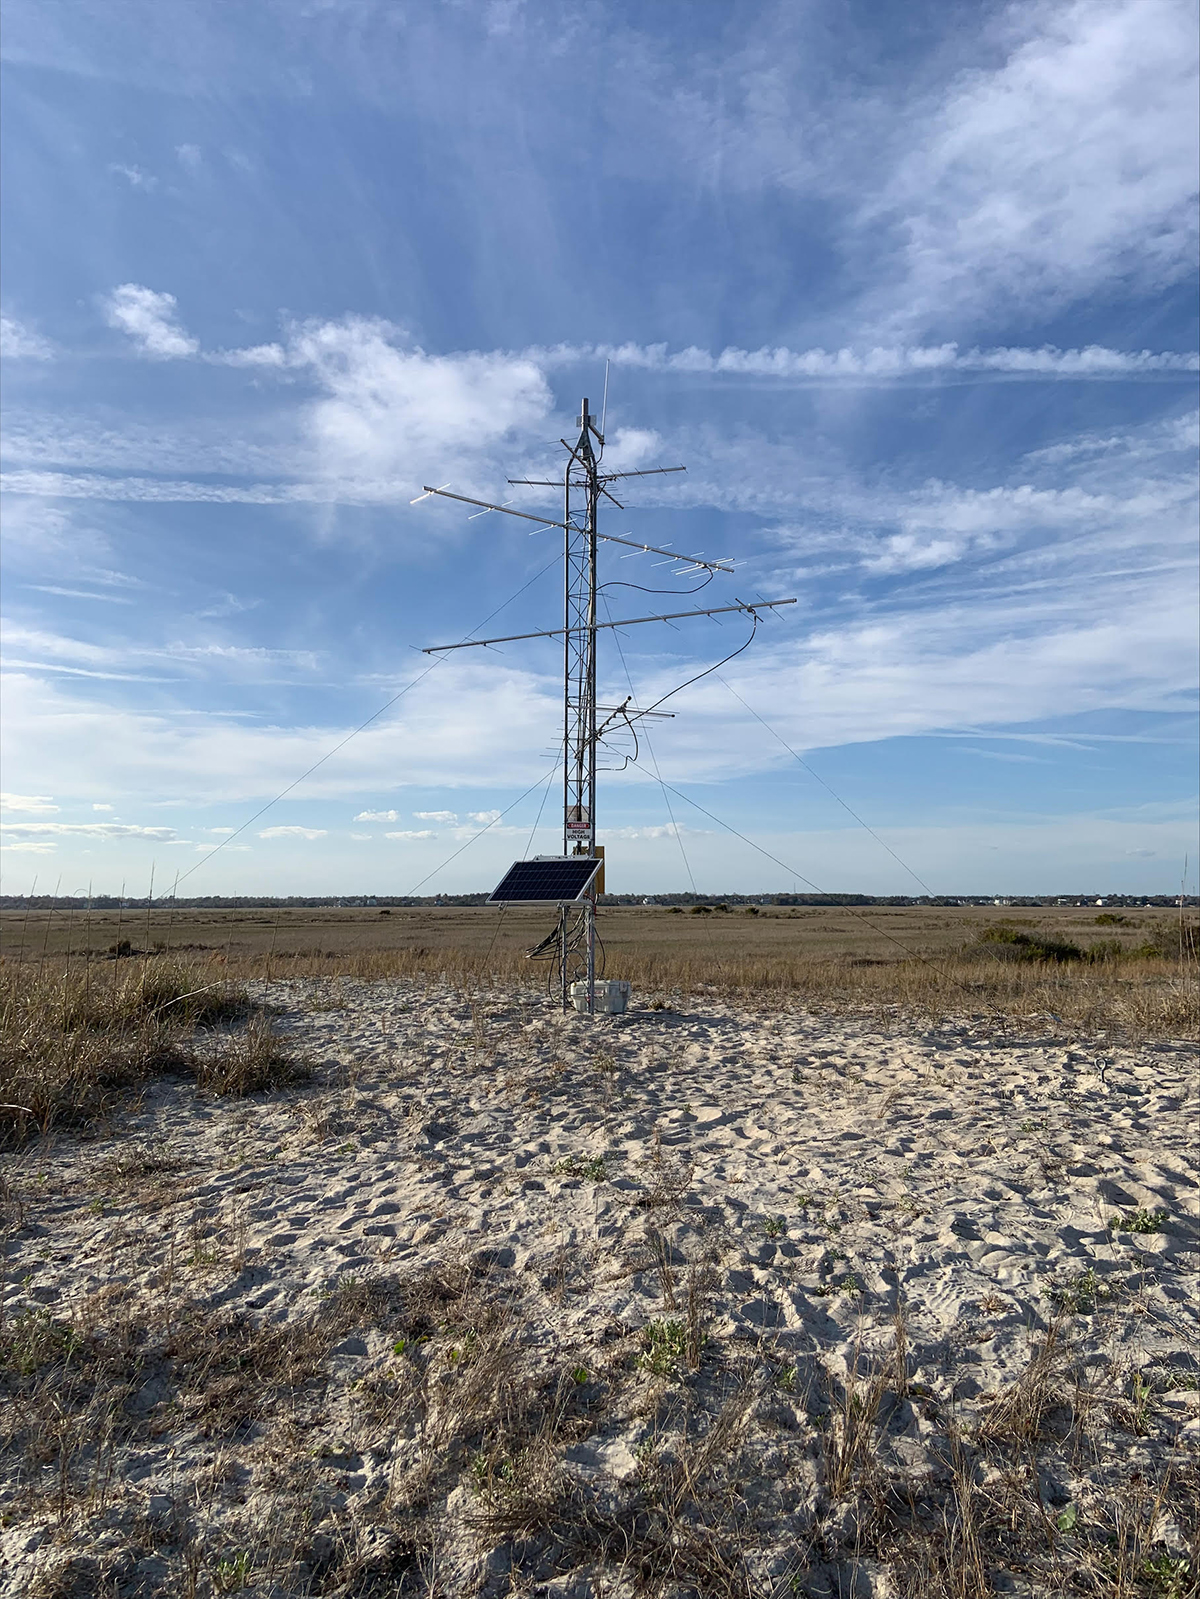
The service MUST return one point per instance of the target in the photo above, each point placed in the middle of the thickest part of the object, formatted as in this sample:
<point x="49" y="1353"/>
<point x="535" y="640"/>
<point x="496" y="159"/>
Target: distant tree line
<point x="398" y="901"/>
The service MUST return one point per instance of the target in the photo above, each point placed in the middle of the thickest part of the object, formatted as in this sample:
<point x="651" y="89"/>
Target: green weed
<point x="33" y="1339"/>
<point x="233" y="1573"/>
<point x="1139" y="1221"/>
<point x="1082" y="1295"/>
<point x="1169" y="1574"/>
<point x="665" y="1345"/>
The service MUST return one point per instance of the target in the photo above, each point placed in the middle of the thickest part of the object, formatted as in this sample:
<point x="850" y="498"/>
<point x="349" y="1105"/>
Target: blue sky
<point x="911" y="291"/>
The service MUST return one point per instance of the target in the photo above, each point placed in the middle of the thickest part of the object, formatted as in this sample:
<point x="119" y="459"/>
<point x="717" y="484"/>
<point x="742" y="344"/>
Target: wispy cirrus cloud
<point x="375" y="415"/>
<point x="880" y="362"/>
<point x="41" y="649"/>
<point x="308" y="834"/>
<point x="1069" y="165"/>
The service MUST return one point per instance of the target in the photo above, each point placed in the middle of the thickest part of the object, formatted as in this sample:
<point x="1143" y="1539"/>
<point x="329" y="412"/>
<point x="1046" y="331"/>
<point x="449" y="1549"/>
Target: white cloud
<point x="876" y="363"/>
<point x="448" y="818"/>
<point x="496" y="717"/>
<point x="189" y="156"/>
<point x="20" y="343"/>
<point x="134" y="176"/>
<point x="97" y="807"/>
<point x="42" y="538"/>
<point x="425" y="832"/>
<point x="308" y="833"/>
<point x="162" y="835"/>
<point x="392" y="409"/>
<point x="149" y="320"/>
<point x="361" y="838"/>
<point x="37" y="804"/>
<point x="942" y="523"/>
<point x="29" y="846"/>
<point x="484" y="818"/>
<point x="378" y="816"/>
<point x="47" y="651"/>
<point x="1069" y="166"/>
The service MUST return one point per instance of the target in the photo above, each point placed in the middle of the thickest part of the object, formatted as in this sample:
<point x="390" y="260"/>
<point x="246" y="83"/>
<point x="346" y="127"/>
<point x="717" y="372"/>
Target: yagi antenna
<point x="547" y="521"/>
<point x="573" y="880"/>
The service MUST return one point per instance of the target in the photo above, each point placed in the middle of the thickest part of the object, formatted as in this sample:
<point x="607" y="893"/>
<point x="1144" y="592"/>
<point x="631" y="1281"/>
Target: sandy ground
<point x="702" y="1220"/>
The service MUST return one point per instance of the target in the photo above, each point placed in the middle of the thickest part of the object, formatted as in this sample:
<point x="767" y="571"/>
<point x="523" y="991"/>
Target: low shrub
<point x="1027" y="947"/>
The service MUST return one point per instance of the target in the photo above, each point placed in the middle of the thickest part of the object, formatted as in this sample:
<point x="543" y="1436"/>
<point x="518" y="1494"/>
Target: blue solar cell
<point x="556" y="880"/>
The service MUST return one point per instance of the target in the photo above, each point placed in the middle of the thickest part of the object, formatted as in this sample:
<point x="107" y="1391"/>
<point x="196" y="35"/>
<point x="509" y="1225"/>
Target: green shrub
<point x="1023" y="946"/>
<point x="1106" y="949"/>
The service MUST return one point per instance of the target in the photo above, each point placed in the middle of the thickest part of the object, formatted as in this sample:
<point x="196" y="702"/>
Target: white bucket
<point x="612" y="996"/>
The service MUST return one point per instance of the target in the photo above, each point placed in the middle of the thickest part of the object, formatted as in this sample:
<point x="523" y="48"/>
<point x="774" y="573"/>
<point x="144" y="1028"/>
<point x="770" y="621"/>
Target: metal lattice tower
<point x="583" y="485"/>
<point x="581" y="497"/>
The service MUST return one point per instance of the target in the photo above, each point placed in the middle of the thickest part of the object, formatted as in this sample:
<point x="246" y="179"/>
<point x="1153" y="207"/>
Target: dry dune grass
<point x="77" y="1038"/>
<point x="76" y="1030"/>
<point x="1135" y="973"/>
<point x="486" y="1419"/>
<point x="479" y="1425"/>
<point x="1154" y="998"/>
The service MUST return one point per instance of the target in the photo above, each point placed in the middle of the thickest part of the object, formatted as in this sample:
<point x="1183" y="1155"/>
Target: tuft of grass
<point x="1018" y="1414"/>
<point x="75" y="1041"/>
<point x="232" y="1574"/>
<point x="33" y="1339"/>
<point x="251" y="1062"/>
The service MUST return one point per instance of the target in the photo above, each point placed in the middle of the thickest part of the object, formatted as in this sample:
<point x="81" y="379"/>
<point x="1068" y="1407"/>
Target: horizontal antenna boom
<point x="632" y="621"/>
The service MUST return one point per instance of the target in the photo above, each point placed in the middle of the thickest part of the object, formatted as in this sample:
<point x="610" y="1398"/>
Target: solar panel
<point x="559" y="879"/>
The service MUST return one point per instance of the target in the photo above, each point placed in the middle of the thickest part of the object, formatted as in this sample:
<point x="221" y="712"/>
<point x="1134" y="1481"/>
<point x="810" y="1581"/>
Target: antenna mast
<point x="543" y="879"/>
<point x="577" y="926"/>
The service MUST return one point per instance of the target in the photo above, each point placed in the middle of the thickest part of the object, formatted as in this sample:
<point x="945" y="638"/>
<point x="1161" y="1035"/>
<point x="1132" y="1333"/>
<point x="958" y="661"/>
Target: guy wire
<point x="528" y="847"/>
<point x="497" y="818"/>
<point x="912" y="954"/>
<point x="851" y="910"/>
<point x="374" y="717"/>
<point x="650" y="751"/>
<point x="828" y="789"/>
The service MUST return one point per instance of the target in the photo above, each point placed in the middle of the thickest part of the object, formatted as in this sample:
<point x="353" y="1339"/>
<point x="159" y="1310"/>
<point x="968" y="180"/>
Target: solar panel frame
<point x="559" y="881"/>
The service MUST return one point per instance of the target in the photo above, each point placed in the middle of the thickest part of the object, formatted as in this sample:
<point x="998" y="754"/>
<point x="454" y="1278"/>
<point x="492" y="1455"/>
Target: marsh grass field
<point x="1133" y="968"/>
<point x="858" y="1258"/>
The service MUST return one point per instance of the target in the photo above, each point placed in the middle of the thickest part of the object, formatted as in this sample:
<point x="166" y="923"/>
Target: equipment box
<point x="612" y="996"/>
